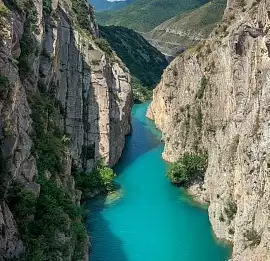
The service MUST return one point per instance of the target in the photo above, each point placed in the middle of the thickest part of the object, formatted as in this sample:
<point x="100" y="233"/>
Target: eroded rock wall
<point x="216" y="98"/>
<point x="90" y="87"/>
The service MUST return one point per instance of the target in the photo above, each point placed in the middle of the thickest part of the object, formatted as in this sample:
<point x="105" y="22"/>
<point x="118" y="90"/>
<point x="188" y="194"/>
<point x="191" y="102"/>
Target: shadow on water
<point x="107" y="240"/>
<point x="152" y="220"/>
<point x="138" y="143"/>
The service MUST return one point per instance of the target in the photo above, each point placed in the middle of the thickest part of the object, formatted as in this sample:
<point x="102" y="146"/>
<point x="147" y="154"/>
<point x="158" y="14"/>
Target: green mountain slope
<point x="185" y="30"/>
<point x="144" y="61"/>
<point x="103" y="5"/>
<point x="145" y="15"/>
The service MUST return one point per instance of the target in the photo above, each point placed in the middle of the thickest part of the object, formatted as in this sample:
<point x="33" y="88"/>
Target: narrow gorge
<point x="83" y="172"/>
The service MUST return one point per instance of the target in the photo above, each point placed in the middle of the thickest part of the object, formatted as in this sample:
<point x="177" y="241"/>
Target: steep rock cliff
<point x="48" y="48"/>
<point x="215" y="97"/>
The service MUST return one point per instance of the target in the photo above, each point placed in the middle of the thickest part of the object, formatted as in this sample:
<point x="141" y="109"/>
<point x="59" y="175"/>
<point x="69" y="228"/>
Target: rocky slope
<point x="143" y="60"/>
<point x="48" y="49"/>
<point x="185" y="30"/>
<point x="215" y="97"/>
<point x="145" y="15"/>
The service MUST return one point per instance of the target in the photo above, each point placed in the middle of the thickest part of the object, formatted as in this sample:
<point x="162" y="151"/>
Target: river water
<point x="152" y="220"/>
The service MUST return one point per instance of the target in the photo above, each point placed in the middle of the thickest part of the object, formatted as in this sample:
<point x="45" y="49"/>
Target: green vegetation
<point x="144" y="61"/>
<point x="221" y="218"/>
<point x="4" y="11"/>
<point x="28" y="42"/>
<point x="83" y="12"/>
<point x="23" y="203"/>
<point x="4" y="84"/>
<point x="100" y="179"/>
<point x="51" y="222"/>
<point x="4" y="15"/>
<point x="230" y="210"/>
<point x="199" y="118"/>
<point x="47" y="6"/>
<point x="140" y="93"/>
<point x="144" y="15"/>
<point x="188" y="169"/>
<point x="104" y="45"/>
<point x="199" y="22"/>
<point x="49" y="142"/>
<point x="204" y="82"/>
<point x="253" y="237"/>
<point x="43" y="220"/>
<point x="231" y="231"/>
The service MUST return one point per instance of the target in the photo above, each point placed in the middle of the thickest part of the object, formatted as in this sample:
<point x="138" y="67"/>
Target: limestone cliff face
<point x="216" y="98"/>
<point x="93" y="90"/>
<point x="90" y="87"/>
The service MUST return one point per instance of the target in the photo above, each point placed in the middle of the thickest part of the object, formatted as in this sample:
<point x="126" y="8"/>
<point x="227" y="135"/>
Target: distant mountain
<point x="144" y="61"/>
<point x="185" y="30"/>
<point x="104" y="5"/>
<point x="145" y="15"/>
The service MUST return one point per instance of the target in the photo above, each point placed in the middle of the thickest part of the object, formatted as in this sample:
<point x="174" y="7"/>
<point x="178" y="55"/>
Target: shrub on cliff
<point x="253" y="237"/>
<point x="104" y="45"/>
<point x="230" y="209"/>
<point x="99" y="180"/>
<point x="140" y="93"/>
<point x="188" y="169"/>
<point x="43" y="221"/>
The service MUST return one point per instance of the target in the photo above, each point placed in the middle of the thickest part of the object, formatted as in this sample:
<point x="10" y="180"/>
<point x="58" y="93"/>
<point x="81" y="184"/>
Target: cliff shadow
<point x="72" y="84"/>
<point x="106" y="246"/>
<point x="139" y="142"/>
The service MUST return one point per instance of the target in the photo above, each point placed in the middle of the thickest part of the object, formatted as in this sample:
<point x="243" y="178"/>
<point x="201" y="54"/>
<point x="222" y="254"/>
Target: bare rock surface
<point x="216" y="98"/>
<point x="91" y="87"/>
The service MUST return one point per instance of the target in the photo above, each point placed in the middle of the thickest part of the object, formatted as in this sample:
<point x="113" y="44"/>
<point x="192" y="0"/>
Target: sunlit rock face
<point x="216" y="98"/>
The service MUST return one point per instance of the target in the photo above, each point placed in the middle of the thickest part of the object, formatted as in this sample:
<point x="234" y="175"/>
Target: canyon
<point x="65" y="106"/>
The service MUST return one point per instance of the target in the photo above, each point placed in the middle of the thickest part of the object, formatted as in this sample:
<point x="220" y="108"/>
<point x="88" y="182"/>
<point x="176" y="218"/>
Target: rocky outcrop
<point x="44" y="48"/>
<point x="216" y="98"/>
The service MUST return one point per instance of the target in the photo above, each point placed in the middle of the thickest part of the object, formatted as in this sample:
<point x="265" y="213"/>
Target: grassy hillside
<point x="145" y="15"/>
<point x="185" y="30"/>
<point x="144" y="61"/>
<point x="103" y="5"/>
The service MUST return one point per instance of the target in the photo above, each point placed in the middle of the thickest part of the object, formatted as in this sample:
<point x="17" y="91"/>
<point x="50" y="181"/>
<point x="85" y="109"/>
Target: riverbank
<point x="152" y="219"/>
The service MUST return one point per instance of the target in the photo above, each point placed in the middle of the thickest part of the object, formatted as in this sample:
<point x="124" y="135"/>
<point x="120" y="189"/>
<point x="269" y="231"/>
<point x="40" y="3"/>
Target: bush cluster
<point x="4" y="84"/>
<point x="204" y="82"/>
<point x="83" y="12"/>
<point x="143" y="60"/>
<point x="43" y="219"/>
<point x="253" y="237"/>
<point x="188" y="169"/>
<point x="230" y="209"/>
<point x="104" y="45"/>
<point x="101" y="180"/>
<point x="140" y="93"/>
<point x="52" y="223"/>
<point x="47" y="6"/>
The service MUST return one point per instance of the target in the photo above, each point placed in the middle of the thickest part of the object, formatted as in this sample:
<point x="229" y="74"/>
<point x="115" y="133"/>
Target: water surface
<point x="153" y="220"/>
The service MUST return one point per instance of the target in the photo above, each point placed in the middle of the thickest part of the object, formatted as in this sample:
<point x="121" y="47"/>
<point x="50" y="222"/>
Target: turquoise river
<point x="152" y="220"/>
